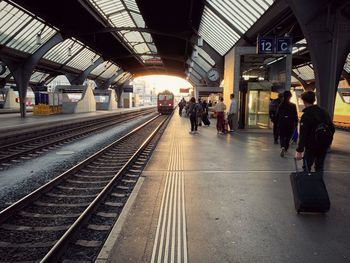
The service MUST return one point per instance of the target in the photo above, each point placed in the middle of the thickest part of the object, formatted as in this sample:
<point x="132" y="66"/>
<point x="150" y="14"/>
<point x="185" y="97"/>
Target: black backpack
<point x="323" y="135"/>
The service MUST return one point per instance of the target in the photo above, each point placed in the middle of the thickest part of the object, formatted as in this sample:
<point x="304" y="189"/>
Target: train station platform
<point x="12" y="122"/>
<point x="227" y="198"/>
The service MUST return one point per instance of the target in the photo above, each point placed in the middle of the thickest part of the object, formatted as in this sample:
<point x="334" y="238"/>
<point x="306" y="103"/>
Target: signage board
<point x="128" y="89"/>
<point x="184" y="90"/>
<point x="265" y="45"/>
<point x="274" y="45"/>
<point x="283" y="45"/>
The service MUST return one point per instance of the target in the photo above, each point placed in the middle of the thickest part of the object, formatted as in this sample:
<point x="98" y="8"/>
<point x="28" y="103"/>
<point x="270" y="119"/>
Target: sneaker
<point x="190" y="132"/>
<point x="283" y="151"/>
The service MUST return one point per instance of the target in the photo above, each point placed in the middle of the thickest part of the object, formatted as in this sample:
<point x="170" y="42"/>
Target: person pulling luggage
<point x="316" y="133"/>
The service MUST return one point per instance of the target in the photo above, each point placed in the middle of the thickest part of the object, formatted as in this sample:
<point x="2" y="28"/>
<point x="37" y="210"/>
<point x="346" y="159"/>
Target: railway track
<point x="69" y="217"/>
<point x="28" y="148"/>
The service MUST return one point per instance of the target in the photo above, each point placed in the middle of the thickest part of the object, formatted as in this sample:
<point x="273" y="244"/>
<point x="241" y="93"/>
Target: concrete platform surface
<point x="227" y="198"/>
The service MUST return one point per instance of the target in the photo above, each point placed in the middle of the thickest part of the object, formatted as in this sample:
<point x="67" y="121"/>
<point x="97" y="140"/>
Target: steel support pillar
<point x="325" y="27"/>
<point x="119" y="91"/>
<point x="219" y="60"/>
<point x="107" y="83"/>
<point x="21" y="70"/>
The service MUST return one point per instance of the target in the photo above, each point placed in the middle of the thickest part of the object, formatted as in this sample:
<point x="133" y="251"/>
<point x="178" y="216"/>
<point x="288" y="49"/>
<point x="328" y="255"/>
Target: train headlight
<point x="169" y="104"/>
<point x="160" y="104"/>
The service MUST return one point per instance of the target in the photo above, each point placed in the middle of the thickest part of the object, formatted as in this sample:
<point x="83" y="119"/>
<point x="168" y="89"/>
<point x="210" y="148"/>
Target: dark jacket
<point x="312" y="117"/>
<point x="192" y="110"/>
<point x="273" y="107"/>
<point x="287" y="116"/>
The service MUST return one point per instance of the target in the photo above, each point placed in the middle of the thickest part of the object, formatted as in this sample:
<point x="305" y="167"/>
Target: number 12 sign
<point x="266" y="45"/>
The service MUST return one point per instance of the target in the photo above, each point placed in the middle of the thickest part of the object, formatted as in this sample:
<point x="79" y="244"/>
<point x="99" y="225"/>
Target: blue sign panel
<point x="266" y="45"/>
<point x="283" y="45"/>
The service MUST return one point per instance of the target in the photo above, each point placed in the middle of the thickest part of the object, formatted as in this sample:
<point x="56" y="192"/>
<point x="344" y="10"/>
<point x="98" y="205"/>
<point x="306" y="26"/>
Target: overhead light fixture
<point x="93" y="59"/>
<point x="38" y="39"/>
<point x="70" y="50"/>
<point x="195" y="53"/>
<point x="189" y="70"/>
<point x="200" y="41"/>
<point x="192" y="64"/>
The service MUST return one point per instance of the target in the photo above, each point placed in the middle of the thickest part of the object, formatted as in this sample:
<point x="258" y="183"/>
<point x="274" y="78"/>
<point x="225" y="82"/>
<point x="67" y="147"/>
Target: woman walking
<point x="220" y="108"/>
<point x="192" y="111"/>
<point x="287" y="121"/>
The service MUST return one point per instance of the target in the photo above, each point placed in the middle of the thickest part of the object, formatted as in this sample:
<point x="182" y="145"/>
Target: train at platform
<point x="165" y="102"/>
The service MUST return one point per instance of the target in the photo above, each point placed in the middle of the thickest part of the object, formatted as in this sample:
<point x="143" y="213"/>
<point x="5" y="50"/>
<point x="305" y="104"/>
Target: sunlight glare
<point x="164" y="82"/>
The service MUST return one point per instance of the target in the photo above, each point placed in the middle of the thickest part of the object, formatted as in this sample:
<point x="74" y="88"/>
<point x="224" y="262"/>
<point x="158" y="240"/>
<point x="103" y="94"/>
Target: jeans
<point x="220" y="121"/>
<point x="285" y="136"/>
<point x="193" y="119"/>
<point x="275" y="129"/>
<point x="231" y="121"/>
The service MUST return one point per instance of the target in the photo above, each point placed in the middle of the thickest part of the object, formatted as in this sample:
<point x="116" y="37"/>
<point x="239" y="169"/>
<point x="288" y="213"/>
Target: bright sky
<point x="163" y="82"/>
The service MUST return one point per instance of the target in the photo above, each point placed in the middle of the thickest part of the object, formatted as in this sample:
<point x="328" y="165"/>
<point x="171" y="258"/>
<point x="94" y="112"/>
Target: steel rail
<point x="65" y="135"/>
<point x="58" y="249"/>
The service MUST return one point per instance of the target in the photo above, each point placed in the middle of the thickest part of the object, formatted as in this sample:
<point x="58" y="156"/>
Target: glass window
<point x="236" y="17"/>
<point x="305" y="72"/>
<point x="125" y="13"/>
<point x="347" y="64"/>
<point x="19" y="30"/>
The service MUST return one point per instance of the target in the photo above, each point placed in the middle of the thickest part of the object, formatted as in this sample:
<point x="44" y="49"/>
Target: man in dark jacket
<point x="287" y="121"/>
<point x="273" y="106"/>
<point x="313" y="117"/>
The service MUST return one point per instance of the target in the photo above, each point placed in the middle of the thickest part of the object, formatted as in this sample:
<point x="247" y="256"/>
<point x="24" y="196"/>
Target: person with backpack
<point x="273" y="106"/>
<point x="192" y="112"/>
<point x="316" y="133"/>
<point x="287" y="117"/>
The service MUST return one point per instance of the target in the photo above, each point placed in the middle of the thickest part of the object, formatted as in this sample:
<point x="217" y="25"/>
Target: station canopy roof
<point x="126" y="38"/>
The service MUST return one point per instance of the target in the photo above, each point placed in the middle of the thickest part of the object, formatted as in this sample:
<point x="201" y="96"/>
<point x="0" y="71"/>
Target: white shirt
<point x="233" y="106"/>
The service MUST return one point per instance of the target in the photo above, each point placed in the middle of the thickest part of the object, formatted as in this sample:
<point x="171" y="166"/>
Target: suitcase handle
<point x="305" y="165"/>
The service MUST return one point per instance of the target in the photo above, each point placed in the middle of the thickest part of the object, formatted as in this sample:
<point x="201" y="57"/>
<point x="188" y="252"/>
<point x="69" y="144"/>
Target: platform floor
<point x="227" y="198"/>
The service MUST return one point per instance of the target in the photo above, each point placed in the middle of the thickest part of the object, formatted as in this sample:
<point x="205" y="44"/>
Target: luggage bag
<point x="310" y="192"/>
<point x="205" y="119"/>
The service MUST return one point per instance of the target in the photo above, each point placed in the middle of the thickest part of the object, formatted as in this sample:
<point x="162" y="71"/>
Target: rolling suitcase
<point x="205" y="119"/>
<point x="310" y="192"/>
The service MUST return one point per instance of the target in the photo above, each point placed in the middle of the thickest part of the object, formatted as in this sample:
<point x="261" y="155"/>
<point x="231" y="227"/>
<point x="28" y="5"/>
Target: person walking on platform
<point x="316" y="133"/>
<point x="205" y="113"/>
<point x="273" y="106"/>
<point x="192" y="112"/>
<point x="199" y="112"/>
<point x="181" y="105"/>
<point x="231" y="118"/>
<point x="220" y="108"/>
<point x="287" y="121"/>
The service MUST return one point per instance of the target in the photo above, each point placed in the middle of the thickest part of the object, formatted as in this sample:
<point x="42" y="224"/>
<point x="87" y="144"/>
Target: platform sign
<point x="266" y="45"/>
<point x="283" y="45"/>
<point x="184" y="90"/>
<point x="128" y="89"/>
